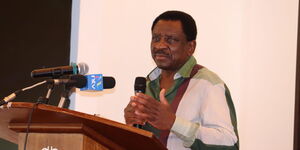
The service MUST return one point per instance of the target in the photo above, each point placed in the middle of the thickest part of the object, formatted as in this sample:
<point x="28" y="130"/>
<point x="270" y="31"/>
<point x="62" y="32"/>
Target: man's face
<point x="169" y="46"/>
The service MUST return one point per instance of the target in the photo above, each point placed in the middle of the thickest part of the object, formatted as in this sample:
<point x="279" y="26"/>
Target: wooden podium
<point x="54" y="128"/>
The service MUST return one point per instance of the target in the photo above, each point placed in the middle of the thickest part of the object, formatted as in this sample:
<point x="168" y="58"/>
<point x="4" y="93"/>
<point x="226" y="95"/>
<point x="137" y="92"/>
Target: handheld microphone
<point x="139" y="87"/>
<point x="98" y="82"/>
<point x="56" y="72"/>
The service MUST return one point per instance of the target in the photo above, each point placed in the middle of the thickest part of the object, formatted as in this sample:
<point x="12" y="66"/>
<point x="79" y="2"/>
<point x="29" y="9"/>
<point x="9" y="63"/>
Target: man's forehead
<point x="172" y="26"/>
<point x="168" y="23"/>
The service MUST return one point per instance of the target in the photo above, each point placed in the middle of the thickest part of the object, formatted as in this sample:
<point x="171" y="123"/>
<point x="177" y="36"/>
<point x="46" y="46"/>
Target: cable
<point x="35" y="85"/>
<point x="28" y="124"/>
<point x="30" y="115"/>
<point x="13" y="95"/>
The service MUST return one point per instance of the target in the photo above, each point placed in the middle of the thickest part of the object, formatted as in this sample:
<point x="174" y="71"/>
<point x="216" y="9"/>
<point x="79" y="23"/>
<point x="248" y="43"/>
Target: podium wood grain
<point x="50" y="119"/>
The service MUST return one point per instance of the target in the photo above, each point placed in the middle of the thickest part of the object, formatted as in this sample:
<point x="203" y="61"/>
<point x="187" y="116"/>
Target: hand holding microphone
<point x="145" y="108"/>
<point x="139" y="87"/>
<point x="129" y="111"/>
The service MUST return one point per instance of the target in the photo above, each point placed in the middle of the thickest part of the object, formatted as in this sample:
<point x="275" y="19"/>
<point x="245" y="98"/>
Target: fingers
<point x="146" y="106"/>
<point x="145" y="116"/>
<point x="133" y="120"/>
<point x="147" y="102"/>
<point x="162" y="97"/>
<point x="143" y="108"/>
<point x="130" y="116"/>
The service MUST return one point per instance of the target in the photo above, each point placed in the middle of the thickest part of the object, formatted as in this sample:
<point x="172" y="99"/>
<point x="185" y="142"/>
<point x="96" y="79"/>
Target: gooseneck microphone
<point x="87" y="82"/>
<point x="95" y="82"/>
<point x="108" y="82"/>
<point x="98" y="82"/>
<point x="139" y="87"/>
<point x="56" y="72"/>
<point x="77" y="81"/>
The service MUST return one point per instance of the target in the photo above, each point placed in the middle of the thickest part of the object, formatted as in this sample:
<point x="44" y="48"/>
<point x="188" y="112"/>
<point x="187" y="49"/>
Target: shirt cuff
<point x="185" y="130"/>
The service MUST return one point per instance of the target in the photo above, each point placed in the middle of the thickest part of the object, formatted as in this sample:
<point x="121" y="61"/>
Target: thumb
<point x="162" y="97"/>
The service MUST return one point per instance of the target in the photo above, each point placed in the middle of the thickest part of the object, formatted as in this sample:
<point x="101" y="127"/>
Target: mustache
<point x="161" y="52"/>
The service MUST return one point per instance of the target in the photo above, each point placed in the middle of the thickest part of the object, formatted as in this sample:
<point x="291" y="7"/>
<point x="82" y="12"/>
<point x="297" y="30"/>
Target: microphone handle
<point x="138" y="125"/>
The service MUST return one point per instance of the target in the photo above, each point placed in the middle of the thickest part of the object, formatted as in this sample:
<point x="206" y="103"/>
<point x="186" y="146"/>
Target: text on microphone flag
<point x="94" y="82"/>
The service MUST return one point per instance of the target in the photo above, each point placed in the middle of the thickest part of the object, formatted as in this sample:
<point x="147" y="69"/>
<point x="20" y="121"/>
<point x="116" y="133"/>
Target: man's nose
<point x="161" y="44"/>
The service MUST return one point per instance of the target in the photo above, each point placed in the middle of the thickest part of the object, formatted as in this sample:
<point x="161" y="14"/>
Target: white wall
<point x="268" y="74"/>
<point x="251" y="44"/>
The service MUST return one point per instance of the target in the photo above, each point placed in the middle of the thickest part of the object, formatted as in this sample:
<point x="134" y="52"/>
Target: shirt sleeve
<point x="215" y="126"/>
<point x="185" y="130"/>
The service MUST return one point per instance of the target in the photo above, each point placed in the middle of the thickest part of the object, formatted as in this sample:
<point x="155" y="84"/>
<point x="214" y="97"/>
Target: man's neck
<point x="167" y="79"/>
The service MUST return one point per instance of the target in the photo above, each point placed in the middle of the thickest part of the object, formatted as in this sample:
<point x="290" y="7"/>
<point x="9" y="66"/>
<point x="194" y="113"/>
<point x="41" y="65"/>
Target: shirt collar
<point x="184" y="71"/>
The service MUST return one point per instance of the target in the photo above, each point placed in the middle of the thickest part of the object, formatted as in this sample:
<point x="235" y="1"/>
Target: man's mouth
<point x="160" y="56"/>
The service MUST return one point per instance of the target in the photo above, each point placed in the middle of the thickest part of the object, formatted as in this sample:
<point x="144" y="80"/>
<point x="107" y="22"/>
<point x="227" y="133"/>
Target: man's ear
<point x="191" y="47"/>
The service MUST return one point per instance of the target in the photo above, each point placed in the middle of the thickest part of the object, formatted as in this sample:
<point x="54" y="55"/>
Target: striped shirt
<point x="205" y="114"/>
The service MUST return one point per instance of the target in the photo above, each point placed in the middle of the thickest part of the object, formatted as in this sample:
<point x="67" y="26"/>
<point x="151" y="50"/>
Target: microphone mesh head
<point x="140" y="84"/>
<point x="83" y="68"/>
<point x="109" y="82"/>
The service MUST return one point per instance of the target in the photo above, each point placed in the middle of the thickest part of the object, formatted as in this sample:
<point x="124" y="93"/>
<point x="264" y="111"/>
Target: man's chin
<point x="164" y="67"/>
<point x="161" y="66"/>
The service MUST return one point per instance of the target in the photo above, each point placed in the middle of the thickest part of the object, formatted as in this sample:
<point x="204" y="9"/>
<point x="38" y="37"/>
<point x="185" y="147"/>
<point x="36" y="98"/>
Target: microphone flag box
<point x="94" y="82"/>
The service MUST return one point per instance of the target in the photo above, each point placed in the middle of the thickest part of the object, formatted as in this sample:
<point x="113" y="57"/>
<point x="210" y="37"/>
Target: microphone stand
<point x="50" y="88"/>
<point x="45" y="100"/>
<point x="64" y="101"/>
